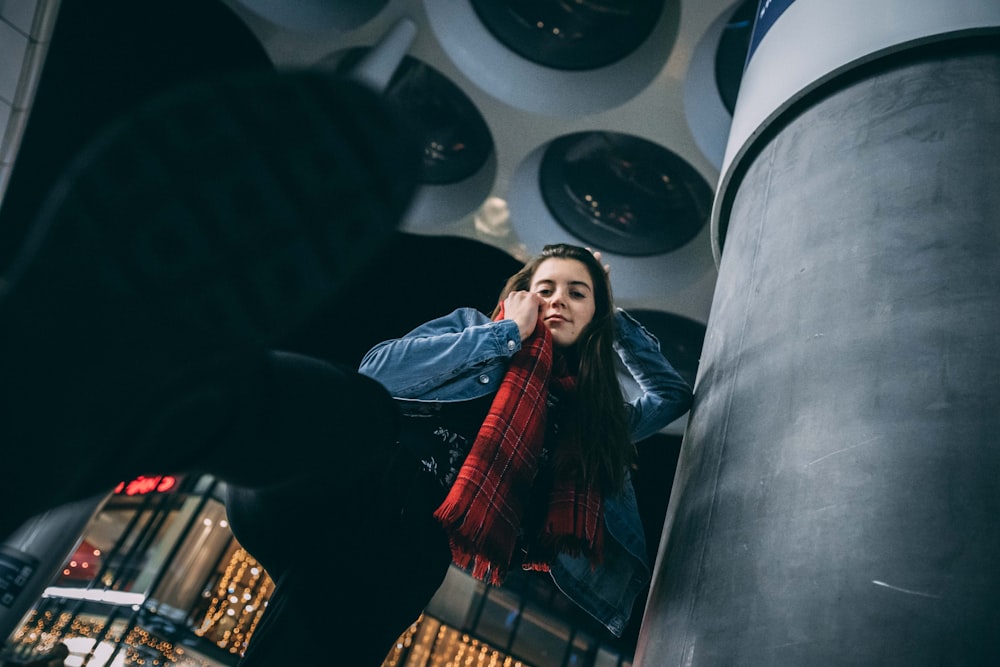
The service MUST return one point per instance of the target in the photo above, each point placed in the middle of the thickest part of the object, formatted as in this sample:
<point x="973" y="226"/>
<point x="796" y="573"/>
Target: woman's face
<point x="568" y="291"/>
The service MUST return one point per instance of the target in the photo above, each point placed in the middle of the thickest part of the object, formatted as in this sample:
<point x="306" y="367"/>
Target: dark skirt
<point x="367" y="549"/>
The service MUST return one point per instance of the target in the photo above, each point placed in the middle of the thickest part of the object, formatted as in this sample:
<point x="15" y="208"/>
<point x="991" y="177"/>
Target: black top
<point x="440" y="435"/>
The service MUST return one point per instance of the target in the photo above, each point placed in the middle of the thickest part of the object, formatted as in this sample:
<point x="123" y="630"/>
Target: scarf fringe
<point x="487" y="560"/>
<point x="482" y="568"/>
<point x="544" y="550"/>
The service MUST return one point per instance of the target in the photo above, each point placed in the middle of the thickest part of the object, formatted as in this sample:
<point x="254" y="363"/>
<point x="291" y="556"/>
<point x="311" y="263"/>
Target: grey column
<point x="837" y="500"/>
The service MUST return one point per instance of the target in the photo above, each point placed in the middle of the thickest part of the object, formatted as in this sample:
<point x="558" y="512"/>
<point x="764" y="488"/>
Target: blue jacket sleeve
<point x="440" y="352"/>
<point x="664" y="395"/>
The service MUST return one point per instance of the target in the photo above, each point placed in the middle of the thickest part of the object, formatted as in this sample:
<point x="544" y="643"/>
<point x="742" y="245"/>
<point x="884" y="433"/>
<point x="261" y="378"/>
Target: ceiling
<point x="597" y="122"/>
<point x="550" y="120"/>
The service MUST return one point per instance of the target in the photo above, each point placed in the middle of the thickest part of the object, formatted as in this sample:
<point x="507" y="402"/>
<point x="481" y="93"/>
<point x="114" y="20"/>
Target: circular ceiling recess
<point x="731" y="56"/>
<point x="557" y="58"/>
<point x="681" y="339"/>
<point x="623" y="194"/>
<point x="454" y="136"/>
<point x="570" y="35"/>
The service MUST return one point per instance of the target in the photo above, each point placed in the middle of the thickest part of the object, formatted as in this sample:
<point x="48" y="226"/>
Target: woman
<point x="525" y="404"/>
<point x="513" y="450"/>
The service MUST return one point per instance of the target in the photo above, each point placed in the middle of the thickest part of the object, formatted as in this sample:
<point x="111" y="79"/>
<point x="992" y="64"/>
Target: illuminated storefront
<point x="158" y="579"/>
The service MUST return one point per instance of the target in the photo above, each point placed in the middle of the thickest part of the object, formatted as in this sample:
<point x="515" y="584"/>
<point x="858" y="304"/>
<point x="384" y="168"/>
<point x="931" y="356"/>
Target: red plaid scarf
<point x="485" y="508"/>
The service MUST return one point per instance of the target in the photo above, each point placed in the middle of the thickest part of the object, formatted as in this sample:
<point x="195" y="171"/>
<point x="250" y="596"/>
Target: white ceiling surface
<point x="664" y="92"/>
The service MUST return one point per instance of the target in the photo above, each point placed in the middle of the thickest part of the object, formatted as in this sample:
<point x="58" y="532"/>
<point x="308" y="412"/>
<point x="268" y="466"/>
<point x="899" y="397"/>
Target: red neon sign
<point x="142" y="485"/>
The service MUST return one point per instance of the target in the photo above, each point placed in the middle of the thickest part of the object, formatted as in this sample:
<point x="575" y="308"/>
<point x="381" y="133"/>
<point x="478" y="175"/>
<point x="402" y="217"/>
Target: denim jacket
<point x="464" y="355"/>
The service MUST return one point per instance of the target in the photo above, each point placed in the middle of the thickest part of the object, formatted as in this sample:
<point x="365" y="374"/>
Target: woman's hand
<point x="597" y="256"/>
<point x="523" y="308"/>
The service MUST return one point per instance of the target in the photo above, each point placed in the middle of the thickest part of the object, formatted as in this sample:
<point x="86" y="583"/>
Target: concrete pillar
<point x="838" y="488"/>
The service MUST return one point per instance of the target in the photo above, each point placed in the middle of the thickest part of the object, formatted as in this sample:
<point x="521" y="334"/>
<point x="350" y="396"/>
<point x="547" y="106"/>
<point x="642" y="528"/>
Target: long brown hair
<point x="600" y="421"/>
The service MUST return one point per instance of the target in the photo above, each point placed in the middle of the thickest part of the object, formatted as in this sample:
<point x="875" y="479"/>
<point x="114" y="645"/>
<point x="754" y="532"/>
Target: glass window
<point x="499" y="617"/>
<point x="541" y="638"/>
